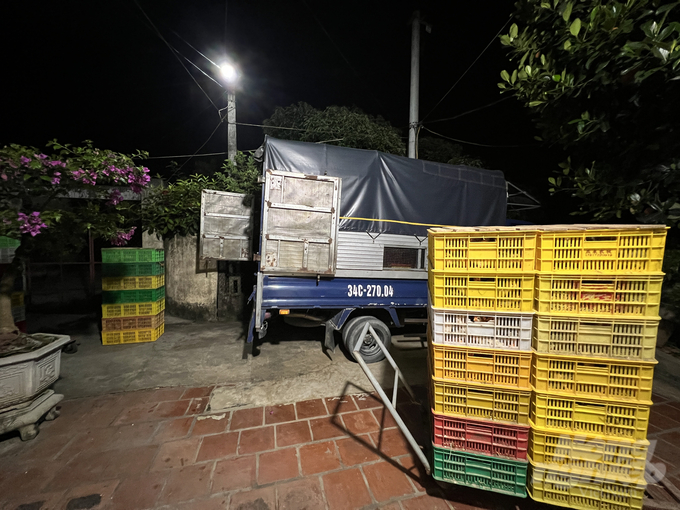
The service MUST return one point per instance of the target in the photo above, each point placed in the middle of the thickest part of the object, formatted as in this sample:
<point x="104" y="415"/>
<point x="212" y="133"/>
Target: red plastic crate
<point x="486" y="438"/>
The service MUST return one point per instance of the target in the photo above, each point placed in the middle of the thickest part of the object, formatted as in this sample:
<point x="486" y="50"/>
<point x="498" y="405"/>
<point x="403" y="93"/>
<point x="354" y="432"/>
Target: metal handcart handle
<point x="391" y="405"/>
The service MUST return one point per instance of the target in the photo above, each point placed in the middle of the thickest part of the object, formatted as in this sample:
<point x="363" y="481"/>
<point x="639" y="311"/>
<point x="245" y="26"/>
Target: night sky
<point x="98" y="70"/>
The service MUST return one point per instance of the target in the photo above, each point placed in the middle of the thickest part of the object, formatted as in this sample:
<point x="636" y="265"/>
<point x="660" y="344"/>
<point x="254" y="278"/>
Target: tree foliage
<point x="176" y="209"/>
<point x="339" y="125"/>
<point x="603" y="81"/>
<point x="444" y="151"/>
<point x="73" y="191"/>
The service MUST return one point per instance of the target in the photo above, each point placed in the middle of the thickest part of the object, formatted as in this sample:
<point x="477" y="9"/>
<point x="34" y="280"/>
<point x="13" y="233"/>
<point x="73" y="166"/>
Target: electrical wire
<point x="472" y="143"/>
<point x="187" y="155"/>
<point x="469" y="67"/>
<point x="331" y="39"/>
<point x="174" y="52"/>
<point x="337" y="48"/>
<point x="201" y="71"/>
<point x="278" y="127"/>
<point x="192" y="47"/>
<point x="197" y="150"/>
<point x="470" y="111"/>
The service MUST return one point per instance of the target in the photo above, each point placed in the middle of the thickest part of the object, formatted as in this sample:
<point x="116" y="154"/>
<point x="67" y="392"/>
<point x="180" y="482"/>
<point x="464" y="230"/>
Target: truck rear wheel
<point x="370" y="350"/>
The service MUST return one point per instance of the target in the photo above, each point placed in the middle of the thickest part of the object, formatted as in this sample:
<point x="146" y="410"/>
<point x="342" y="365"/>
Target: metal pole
<point x="415" y="83"/>
<point x="231" y="126"/>
<point x="90" y="242"/>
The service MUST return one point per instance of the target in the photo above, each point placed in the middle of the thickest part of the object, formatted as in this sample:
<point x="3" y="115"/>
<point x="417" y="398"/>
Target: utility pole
<point x="231" y="125"/>
<point x="415" y="84"/>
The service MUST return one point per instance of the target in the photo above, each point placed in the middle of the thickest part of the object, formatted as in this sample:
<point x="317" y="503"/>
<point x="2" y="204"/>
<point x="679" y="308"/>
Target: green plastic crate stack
<point x="118" y="265"/>
<point x="7" y="248"/>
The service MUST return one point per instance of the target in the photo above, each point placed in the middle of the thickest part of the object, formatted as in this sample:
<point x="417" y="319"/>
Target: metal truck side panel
<point x="299" y="224"/>
<point x="226" y="225"/>
<point x="306" y="293"/>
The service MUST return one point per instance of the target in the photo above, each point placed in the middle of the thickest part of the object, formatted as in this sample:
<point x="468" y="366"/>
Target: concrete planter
<point x="24" y="376"/>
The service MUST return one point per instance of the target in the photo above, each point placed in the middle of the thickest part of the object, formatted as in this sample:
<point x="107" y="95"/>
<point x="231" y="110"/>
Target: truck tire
<point x="351" y="324"/>
<point x="370" y="350"/>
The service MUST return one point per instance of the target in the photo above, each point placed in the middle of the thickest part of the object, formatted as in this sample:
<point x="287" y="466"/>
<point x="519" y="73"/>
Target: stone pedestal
<point x="26" y="417"/>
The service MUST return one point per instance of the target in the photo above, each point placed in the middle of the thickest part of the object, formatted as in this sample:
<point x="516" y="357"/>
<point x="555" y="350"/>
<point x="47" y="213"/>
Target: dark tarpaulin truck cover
<point x="383" y="193"/>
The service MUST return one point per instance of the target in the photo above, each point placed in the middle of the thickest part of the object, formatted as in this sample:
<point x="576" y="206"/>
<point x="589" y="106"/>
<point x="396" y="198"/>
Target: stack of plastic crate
<point x="597" y="296"/>
<point x="7" y="248"/>
<point x="133" y="295"/>
<point x="480" y="322"/>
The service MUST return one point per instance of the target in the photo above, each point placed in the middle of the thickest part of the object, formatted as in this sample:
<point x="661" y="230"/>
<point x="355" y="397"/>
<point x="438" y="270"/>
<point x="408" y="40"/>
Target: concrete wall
<point x="151" y="241"/>
<point x="190" y="283"/>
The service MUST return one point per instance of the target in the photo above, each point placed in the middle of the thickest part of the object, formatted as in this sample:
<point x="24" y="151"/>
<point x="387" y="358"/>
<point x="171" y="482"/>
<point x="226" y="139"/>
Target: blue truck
<point x="342" y="236"/>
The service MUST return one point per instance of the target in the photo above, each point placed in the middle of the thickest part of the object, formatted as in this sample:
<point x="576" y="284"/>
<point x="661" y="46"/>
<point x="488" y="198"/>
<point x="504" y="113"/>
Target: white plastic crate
<point x="492" y="330"/>
<point x="7" y="255"/>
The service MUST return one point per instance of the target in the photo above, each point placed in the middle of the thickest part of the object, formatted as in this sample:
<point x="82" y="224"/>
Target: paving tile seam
<point x="323" y="492"/>
<point x="300" y="476"/>
<point x="368" y="486"/>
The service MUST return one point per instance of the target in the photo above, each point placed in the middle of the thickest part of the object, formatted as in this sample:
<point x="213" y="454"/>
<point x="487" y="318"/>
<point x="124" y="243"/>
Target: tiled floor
<point x="162" y="449"/>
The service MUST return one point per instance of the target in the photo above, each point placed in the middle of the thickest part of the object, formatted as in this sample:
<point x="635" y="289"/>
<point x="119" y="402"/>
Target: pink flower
<point x="115" y="197"/>
<point x="56" y="177"/>
<point x="25" y="160"/>
<point x="30" y="224"/>
<point x="121" y="238"/>
<point x="3" y="177"/>
<point x="40" y="156"/>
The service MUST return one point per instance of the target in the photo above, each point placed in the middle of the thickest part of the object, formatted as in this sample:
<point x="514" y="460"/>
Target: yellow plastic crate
<point x="139" y="322"/>
<point x="133" y="309"/>
<point x="511" y="293"/>
<point x="601" y="249"/>
<point x="633" y="339"/>
<point x="455" y="399"/>
<point x="577" y="415"/>
<point x="583" y="492"/>
<point x="587" y="455"/>
<point x="133" y="282"/>
<point x="593" y="378"/>
<point x="508" y="369"/>
<point x="17" y="299"/>
<point x="132" y="336"/>
<point x="599" y="296"/>
<point x="482" y="249"/>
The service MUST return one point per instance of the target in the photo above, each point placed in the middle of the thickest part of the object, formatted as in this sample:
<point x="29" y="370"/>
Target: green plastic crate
<point x="133" y="269"/>
<point x="132" y="296"/>
<point x="131" y="255"/>
<point x="493" y="474"/>
<point x="8" y="242"/>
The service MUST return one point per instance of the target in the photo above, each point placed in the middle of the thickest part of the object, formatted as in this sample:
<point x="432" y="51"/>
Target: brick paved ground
<point x="161" y="449"/>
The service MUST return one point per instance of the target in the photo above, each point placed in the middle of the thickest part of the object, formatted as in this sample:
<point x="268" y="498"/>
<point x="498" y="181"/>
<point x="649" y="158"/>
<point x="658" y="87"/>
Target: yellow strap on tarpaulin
<point x="393" y="221"/>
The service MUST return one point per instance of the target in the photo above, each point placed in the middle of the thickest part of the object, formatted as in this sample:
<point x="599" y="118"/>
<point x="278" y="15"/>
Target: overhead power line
<point x="469" y="67"/>
<point x="175" y="52"/>
<point x="471" y="143"/>
<point x="195" y="155"/>
<point x="198" y="150"/>
<point x="470" y="111"/>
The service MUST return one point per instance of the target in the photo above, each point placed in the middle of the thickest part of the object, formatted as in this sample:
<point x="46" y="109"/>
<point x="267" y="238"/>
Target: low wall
<point x="190" y="283"/>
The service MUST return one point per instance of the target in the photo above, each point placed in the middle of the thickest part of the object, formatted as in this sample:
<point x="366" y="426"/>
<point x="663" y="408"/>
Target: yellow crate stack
<point x="133" y="295"/>
<point x="597" y="296"/>
<point x="481" y="286"/>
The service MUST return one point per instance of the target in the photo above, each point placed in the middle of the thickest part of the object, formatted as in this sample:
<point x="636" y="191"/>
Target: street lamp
<point x="229" y="73"/>
<point x="230" y="76"/>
